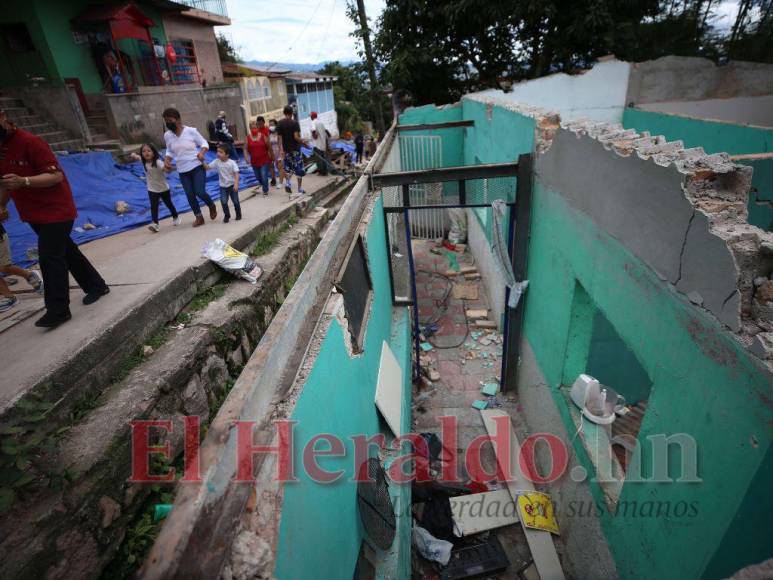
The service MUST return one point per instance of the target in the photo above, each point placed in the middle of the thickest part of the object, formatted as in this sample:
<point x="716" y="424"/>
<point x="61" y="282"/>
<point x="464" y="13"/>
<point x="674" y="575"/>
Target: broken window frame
<point x="350" y="307"/>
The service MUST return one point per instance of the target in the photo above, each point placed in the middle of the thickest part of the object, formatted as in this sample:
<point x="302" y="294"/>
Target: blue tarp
<point x="97" y="182"/>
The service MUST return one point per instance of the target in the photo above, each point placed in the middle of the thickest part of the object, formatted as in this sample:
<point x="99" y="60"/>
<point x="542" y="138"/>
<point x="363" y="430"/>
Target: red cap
<point x="314" y="114"/>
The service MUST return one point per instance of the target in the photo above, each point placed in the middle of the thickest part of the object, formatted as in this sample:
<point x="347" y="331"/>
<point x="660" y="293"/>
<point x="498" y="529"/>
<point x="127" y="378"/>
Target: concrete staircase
<point x="59" y="139"/>
<point x="98" y="127"/>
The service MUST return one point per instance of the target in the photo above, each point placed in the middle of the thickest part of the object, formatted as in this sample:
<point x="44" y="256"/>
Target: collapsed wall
<point x="699" y="241"/>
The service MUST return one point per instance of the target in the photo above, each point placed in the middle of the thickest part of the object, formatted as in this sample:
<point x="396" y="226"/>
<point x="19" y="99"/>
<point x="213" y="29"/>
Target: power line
<point x="327" y="30"/>
<point x="294" y="42"/>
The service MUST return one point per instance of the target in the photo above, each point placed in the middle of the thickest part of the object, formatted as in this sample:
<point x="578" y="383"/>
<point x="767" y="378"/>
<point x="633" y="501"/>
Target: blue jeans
<point x="225" y="194"/>
<point x="194" y="184"/>
<point x="262" y="174"/>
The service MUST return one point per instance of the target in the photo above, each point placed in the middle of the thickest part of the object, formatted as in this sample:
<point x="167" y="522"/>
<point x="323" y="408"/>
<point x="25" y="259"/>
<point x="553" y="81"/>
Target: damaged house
<point x="617" y="410"/>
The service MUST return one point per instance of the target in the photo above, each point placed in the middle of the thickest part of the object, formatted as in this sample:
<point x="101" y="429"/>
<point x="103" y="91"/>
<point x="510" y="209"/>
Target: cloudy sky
<point x="311" y="31"/>
<point x="306" y="31"/>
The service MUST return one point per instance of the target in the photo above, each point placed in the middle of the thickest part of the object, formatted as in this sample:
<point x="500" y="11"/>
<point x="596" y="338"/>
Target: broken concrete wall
<point x="656" y="237"/>
<point x="753" y="143"/>
<point x="741" y="110"/>
<point x="598" y="93"/>
<point x="712" y="136"/>
<point x="679" y="78"/>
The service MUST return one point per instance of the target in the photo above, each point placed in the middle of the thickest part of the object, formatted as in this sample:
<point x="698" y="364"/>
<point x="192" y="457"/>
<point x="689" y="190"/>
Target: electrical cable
<point x="442" y="305"/>
<point x="294" y="42"/>
<point x="327" y="30"/>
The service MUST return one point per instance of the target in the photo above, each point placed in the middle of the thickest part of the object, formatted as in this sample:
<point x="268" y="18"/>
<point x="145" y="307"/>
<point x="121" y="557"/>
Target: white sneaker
<point x="154" y="228"/>
<point x="177" y="221"/>
<point x="35" y="281"/>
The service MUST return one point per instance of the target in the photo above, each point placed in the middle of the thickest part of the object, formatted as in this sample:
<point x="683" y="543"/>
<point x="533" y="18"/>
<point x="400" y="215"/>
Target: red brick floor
<point x="463" y="369"/>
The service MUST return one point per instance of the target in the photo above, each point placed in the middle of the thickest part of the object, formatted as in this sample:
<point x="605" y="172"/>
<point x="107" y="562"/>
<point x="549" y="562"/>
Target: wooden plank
<point x="486" y="324"/>
<point x="478" y="512"/>
<point x="540" y="543"/>
<point x="389" y="390"/>
<point x="477" y="314"/>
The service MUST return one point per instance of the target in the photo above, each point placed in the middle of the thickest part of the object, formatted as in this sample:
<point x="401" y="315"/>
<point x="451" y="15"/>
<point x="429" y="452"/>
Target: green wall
<point x="718" y="137"/>
<point x="704" y="384"/>
<point x="14" y="67"/>
<point x="498" y="136"/>
<point x="713" y="136"/>
<point x="58" y="57"/>
<point x="320" y="530"/>
<point x="452" y="136"/>
<point x="761" y="194"/>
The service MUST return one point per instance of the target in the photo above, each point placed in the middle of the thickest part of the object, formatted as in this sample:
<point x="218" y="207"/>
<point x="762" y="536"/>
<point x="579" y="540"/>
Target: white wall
<point x="329" y="118"/>
<point x="743" y="110"/>
<point x="597" y="94"/>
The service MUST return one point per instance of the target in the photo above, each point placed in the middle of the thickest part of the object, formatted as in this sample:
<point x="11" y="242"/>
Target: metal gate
<point x="417" y="153"/>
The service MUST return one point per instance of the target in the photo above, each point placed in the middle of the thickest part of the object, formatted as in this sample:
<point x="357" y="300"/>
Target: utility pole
<point x="375" y="97"/>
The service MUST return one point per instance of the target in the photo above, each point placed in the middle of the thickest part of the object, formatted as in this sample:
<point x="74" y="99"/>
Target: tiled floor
<point x="463" y="370"/>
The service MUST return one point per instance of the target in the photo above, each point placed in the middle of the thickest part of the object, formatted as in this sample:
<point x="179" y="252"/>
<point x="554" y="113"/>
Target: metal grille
<point x="419" y="152"/>
<point x="375" y="505"/>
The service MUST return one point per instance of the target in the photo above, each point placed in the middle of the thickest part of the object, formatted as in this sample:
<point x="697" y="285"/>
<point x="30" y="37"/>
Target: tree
<point x="441" y="50"/>
<point x="226" y="50"/>
<point x="352" y="94"/>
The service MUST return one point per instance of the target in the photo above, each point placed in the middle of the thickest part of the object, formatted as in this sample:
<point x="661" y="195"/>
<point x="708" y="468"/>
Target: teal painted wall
<point x="761" y="194"/>
<point x="713" y="136"/>
<point x="704" y="384"/>
<point x="452" y="137"/>
<point x="718" y="137"/>
<point x="320" y="529"/>
<point x="498" y="136"/>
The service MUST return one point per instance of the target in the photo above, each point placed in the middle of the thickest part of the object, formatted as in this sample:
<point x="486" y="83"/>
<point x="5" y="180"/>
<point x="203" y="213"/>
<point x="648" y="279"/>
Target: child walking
<point x="158" y="188"/>
<point x="228" y="178"/>
<point x="7" y="298"/>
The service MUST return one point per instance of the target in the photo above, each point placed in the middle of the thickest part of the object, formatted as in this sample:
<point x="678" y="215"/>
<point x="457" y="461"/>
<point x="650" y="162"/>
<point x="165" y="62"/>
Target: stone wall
<point x="136" y="117"/>
<point x="79" y="528"/>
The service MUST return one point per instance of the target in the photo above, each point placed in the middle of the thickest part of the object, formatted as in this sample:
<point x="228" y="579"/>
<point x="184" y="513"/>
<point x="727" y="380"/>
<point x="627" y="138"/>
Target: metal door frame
<point x="518" y="240"/>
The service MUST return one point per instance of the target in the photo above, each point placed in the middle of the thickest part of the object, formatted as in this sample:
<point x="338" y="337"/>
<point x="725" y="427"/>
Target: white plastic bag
<point x="430" y="547"/>
<point x="457" y="234"/>
<point x="232" y="260"/>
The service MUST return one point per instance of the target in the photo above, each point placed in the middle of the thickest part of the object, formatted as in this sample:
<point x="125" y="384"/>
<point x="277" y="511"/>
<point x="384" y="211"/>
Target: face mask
<point x="171" y="126"/>
<point x="254" y="130"/>
<point x="272" y="129"/>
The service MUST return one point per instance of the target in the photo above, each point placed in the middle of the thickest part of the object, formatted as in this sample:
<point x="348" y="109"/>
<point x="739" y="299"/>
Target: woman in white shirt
<point x="187" y="147"/>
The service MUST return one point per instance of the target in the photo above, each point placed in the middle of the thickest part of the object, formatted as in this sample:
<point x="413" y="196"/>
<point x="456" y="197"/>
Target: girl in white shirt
<point x="158" y="187"/>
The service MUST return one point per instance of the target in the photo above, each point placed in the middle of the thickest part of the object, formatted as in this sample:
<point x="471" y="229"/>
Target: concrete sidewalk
<point x="137" y="265"/>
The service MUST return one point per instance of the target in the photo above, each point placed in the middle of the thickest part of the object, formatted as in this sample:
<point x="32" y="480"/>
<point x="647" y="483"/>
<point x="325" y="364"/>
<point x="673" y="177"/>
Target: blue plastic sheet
<point x="97" y="182"/>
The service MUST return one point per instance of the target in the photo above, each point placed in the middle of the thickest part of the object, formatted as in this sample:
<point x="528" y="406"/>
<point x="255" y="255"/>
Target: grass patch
<point x="266" y="242"/>
<point x="202" y="299"/>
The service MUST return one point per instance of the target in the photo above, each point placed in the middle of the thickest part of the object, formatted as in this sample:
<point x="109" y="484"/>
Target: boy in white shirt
<point x="228" y="178"/>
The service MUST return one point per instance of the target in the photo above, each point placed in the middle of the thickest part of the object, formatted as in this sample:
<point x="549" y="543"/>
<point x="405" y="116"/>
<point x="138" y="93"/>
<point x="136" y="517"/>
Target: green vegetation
<point x="266" y="242"/>
<point x="438" y="51"/>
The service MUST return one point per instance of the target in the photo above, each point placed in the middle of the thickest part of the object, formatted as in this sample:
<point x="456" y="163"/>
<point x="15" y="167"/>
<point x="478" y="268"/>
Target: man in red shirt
<point x="30" y="175"/>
